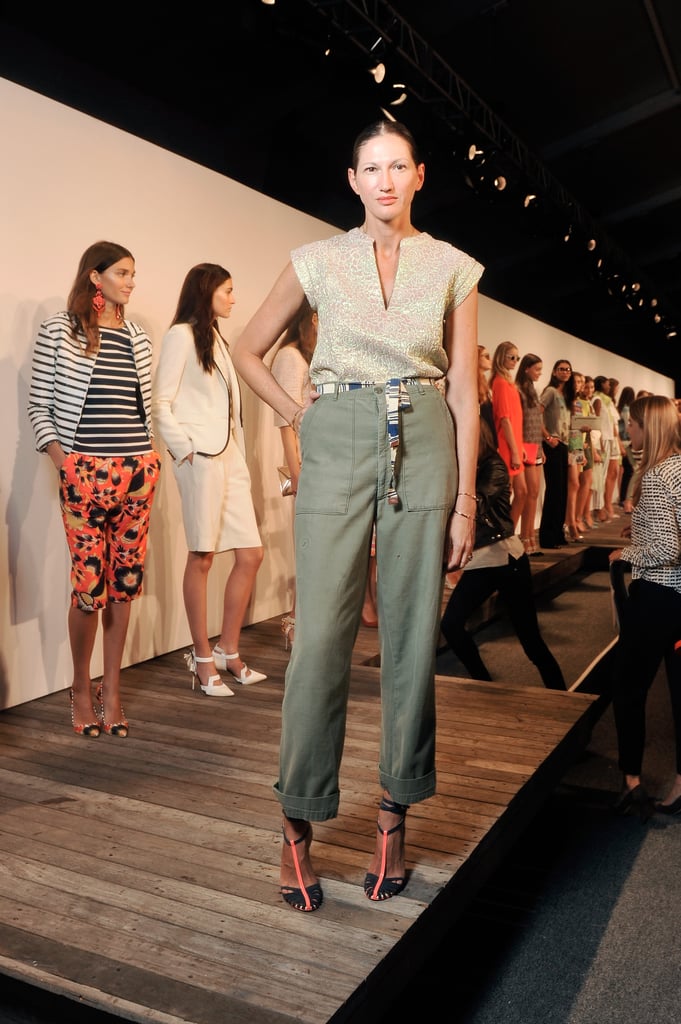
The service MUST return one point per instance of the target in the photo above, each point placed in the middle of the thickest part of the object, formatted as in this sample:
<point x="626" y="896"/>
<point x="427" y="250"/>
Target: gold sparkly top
<point x="359" y="338"/>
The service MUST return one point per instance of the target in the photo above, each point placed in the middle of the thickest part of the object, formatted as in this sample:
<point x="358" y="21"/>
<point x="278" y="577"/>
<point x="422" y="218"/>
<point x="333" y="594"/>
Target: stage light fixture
<point x="378" y="72"/>
<point x="476" y="155"/>
<point x="500" y="182"/>
<point x="530" y="200"/>
<point x="402" y="97"/>
<point x="591" y="244"/>
<point x="388" y="115"/>
<point x="671" y="333"/>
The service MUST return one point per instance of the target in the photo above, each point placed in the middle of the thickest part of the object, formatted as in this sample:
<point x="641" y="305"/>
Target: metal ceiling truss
<point x="435" y="84"/>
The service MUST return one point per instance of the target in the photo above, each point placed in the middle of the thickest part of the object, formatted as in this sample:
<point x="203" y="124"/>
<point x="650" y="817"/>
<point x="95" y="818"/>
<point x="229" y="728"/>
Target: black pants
<point x="650" y="626"/>
<point x="513" y="581"/>
<point x="551" y="534"/>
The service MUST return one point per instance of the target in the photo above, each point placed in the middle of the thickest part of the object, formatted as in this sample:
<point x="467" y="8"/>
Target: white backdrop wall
<point x="67" y="180"/>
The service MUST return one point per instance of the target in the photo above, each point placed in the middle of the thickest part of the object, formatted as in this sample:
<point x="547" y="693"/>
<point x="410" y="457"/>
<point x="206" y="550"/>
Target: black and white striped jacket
<point x="60" y="377"/>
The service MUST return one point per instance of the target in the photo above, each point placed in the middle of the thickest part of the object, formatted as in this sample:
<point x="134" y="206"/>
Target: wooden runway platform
<point x="140" y="876"/>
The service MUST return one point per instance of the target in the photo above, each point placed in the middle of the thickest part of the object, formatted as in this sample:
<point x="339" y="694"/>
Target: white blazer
<point x="195" y="411"/>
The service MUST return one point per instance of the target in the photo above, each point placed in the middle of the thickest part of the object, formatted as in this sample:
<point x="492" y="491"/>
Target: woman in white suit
<point x="196" y="405"/>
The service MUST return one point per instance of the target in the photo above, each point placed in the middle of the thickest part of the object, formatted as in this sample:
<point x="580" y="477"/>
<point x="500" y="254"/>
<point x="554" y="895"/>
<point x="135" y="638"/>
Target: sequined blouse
<point x="359" y="338"/>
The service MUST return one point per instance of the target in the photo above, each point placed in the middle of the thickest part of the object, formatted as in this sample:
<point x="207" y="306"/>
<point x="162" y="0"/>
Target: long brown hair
<point x="302" y="331"/>
<point x="484" y="393"/>
<point x="524" y="384"/>
<point x="659" y="419"/>
<point x="195" y="307"/>
<point x="99" y="256"/>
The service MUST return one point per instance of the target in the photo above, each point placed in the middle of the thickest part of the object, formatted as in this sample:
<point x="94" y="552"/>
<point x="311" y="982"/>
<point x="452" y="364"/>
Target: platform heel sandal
<point x="378" y="887"/>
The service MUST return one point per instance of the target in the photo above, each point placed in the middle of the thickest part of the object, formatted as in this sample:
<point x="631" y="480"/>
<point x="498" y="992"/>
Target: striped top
<point x="111" y="423"/>
<point x="60" y="378"/>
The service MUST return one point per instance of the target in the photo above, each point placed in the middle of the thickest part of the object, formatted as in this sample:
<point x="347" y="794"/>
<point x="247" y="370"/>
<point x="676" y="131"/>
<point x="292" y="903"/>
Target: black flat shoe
<point x="635" y="802"/>
<point x="673" y="808"/>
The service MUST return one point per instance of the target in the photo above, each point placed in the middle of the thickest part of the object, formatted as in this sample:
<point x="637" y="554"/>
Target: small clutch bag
<point x="285" y="485"/>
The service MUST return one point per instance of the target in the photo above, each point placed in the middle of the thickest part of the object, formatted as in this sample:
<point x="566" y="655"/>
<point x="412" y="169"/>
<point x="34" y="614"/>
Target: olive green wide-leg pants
<point x="346" y="473"/>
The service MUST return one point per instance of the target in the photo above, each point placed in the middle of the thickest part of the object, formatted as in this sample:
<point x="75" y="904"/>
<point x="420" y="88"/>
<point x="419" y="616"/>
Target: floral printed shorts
<point x="105" y="506"/>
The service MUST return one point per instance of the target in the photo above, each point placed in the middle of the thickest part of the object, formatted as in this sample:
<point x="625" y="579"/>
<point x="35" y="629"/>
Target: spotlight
<point x="388" y="115"/>
<point x="671" y="333"/>
<point x="476" y="155"/>
<point x="530" y="200"/>
<point x="402" y="97"/>
<point x="591" y="244"/>
<point x="378" y="72"/>
<point x="500" y="182"/>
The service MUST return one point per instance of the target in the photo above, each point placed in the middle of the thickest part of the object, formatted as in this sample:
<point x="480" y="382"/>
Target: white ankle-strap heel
<point x="246" y="677"/>
<point x="215" y="686"/>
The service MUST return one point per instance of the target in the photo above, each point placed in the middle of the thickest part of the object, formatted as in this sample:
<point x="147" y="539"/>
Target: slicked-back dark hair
<point x="384" y="127"/>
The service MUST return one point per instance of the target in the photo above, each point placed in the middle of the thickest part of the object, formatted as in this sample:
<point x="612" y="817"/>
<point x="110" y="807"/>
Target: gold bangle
<point x="467" y="494"/>
<point x="295" y="422"/>
<point x="464" y="515"/>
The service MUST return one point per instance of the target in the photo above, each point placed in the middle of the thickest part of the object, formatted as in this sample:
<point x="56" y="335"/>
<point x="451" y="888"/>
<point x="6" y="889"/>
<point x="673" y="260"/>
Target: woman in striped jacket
<point x="89" y="406"/>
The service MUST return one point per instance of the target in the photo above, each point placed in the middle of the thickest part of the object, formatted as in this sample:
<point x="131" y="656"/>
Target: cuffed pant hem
<point x="409" y="791"/>
<point x="308" y="808"/>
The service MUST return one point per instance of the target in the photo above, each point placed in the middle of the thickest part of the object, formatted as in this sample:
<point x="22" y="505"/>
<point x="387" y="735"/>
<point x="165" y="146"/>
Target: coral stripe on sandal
<point x="305" y="898"/>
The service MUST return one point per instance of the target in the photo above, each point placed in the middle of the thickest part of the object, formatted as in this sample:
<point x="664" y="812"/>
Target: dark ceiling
<point x="575" y="101"/>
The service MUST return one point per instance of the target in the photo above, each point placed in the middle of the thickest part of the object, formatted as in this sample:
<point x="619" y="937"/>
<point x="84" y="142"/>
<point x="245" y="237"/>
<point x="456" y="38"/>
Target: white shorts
<point x="217" y="507"/>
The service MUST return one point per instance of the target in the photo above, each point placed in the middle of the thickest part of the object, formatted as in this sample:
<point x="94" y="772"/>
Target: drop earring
<point x="98" y="301"/>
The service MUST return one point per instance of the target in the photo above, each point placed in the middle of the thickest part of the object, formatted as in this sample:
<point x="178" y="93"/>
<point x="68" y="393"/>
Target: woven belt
<point x="396" y="399"/>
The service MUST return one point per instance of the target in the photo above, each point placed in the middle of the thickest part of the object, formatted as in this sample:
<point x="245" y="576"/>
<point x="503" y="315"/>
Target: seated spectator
<point x="499" y="564"/>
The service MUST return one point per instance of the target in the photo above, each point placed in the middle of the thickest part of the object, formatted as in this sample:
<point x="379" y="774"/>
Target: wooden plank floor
<point x="140" y="876"/>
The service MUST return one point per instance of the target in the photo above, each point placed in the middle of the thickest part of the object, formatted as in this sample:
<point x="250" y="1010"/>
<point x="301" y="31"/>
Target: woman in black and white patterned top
<point x="89" y="406"/>
<point x="650" y="623"/>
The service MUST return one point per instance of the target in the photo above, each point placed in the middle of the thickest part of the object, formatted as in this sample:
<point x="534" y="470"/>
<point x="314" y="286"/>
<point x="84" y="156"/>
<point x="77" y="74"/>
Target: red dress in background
<point x="506" y="403"/>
